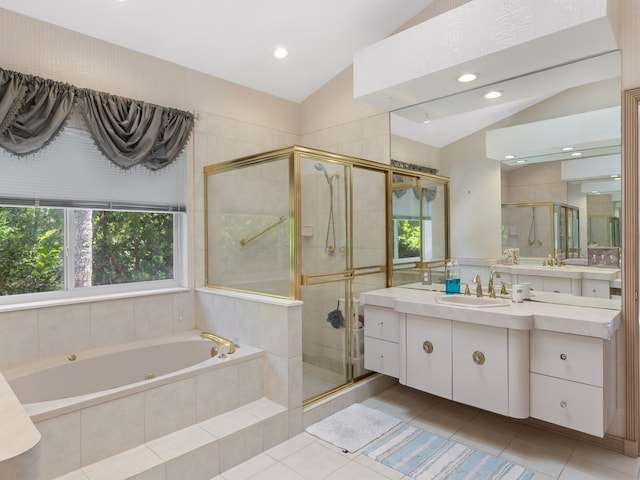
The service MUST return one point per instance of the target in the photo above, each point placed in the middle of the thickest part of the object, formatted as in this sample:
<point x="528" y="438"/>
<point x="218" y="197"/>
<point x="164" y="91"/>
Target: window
<point x="72" y="224"/>
<point x="102" y="248"/>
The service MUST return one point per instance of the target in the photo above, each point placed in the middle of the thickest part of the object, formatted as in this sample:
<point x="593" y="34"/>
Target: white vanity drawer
<point x="596" y="288"/>
<point x="570" y="404"/>
<point x="382" y="356"/>
<point x="382" y="323"/>
<point x="558" y="285"/>
<point x="571" y="357"/>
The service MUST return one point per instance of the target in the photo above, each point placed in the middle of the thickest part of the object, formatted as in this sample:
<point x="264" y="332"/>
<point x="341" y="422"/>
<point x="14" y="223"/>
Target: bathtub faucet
<point x="218" y="340"/>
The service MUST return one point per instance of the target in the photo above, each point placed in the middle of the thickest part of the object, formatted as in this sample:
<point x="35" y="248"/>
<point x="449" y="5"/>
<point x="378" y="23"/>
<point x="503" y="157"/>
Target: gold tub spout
<point x="218" y="340"/>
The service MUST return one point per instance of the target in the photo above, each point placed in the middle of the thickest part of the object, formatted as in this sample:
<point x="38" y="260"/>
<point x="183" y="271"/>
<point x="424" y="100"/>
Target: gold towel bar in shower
<point x="282" y="219"/>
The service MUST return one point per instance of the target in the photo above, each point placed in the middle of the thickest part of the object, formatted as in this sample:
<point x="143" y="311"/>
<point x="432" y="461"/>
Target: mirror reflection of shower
<point x="330" y="239"/>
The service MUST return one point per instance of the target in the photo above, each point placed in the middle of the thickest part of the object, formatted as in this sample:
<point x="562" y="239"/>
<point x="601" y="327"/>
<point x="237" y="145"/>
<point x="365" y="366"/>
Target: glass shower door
<point x="326" y="274"/>
<point x="343" y="224"/>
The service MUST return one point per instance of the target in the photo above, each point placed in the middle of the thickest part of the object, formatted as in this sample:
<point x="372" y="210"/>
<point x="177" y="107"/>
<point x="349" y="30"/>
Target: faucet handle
<point x="466" y="289"/>
<point x="503" y="288"/>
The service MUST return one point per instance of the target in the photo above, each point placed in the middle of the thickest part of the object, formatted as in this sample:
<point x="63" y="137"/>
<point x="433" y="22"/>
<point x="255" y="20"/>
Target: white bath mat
<point x="354" y="427"/>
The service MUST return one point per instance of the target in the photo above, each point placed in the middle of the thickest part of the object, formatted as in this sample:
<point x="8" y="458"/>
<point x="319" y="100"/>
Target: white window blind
<point x="72" y="172"/>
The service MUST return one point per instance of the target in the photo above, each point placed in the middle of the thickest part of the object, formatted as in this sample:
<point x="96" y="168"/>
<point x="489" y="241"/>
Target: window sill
<point x="89" y="298"/>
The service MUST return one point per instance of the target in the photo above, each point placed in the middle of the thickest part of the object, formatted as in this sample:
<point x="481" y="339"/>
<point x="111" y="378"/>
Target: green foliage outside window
<point x="132" y="247"/>
<point x="111" y="248"/>
<point x="408" y="235"/>
<point x="31" y="247"/>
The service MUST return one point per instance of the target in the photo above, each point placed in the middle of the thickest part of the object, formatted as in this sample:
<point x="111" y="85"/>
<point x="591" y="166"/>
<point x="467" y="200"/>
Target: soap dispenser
<point x="452" y="278"/>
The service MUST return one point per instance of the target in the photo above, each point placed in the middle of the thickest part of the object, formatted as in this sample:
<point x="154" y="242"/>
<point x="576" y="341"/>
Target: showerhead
<point x="320" y="167"/>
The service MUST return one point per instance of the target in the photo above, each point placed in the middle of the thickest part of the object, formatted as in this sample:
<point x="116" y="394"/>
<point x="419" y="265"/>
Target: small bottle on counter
<point x="452" y="278"/>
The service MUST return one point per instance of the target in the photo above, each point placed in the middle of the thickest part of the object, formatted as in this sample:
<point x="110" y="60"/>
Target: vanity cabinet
<point x="381" y="340"/>
<point x="428" y="351"/>
<point x="572" y="380"/>
<point x="552" y="284"/>
<point x="520" y="360"/>
<point x="483" y="366"/>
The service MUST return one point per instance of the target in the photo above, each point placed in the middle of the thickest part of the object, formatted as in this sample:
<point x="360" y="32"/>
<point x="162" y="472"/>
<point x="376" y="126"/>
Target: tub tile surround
<point x="277" y="327"/>
<point x="98" y="432"/>
<point x="199" y="451"/>
<point x="34" y="333"/>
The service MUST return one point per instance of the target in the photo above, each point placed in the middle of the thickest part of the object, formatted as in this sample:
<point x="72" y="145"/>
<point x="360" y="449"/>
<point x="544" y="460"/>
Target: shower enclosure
<point x="310" y="225"/>
<point x="541" y="229"/>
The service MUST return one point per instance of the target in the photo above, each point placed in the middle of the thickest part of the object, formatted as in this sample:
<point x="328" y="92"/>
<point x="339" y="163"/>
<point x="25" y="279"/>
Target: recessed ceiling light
<point x="576" y="154"/>
<point x="567" y="149"/>
<point x="509" y="157"/>
<point x="521" y="161"/>
<point x="426" y="118"/>
<point x="467" y="77"/>
<point x="280" y="53"/>
<point x="492" y="94"/>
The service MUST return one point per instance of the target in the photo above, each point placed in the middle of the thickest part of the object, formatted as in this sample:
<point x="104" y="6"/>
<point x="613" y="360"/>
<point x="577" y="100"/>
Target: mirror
<point x="419" y="226"/>
<point x="553" y="136"/>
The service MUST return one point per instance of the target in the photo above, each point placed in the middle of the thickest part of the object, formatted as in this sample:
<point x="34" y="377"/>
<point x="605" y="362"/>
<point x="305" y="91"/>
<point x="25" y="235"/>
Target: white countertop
<point x="18" y="433"/>
<point x="574" y="319"/>
<point x="567" y="271"/>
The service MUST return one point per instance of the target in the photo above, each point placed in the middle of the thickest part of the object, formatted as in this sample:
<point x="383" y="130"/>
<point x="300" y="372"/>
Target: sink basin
<point x="472" y="301"/>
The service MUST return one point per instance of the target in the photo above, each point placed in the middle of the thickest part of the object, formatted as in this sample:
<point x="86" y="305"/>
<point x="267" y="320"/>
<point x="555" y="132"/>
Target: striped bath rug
<point x="425" y="456"/>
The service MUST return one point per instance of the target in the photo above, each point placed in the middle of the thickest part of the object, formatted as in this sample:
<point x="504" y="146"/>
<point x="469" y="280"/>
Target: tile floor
<point x="318" y="380"/>
<point x="304" y="457"/>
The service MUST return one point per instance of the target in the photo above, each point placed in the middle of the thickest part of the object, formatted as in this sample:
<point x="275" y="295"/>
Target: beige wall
<point x="330" y="119"/>
<point x="232" y="121"/>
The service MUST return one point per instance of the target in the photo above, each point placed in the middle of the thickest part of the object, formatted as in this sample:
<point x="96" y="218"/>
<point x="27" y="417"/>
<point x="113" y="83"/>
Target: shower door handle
<point x="328" y="277"/>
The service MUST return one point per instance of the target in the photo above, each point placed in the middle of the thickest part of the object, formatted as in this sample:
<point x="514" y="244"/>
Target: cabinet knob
<point x="380" y="324"/>
<point x="563" y="404"/>
<point x="427" y="346"/>
<point x="563" y="356"/>
<point x="478" y="358"/>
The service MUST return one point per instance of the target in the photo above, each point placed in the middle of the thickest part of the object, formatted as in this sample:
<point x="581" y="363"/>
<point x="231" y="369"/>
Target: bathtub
<point x="108" y="400"/>
<point x="76" y="381"/>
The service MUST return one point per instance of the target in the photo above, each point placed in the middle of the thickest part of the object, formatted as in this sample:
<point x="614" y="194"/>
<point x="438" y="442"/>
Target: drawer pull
<point x="563" y="404"/>
<point x="563" y="356"/>
<point x="478" y="358"/>
<point x="427" y="346"/>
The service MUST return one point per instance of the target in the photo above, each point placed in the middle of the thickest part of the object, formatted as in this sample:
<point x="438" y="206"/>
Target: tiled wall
<point x="271" y="324"/>
<point x="34" y="333"/>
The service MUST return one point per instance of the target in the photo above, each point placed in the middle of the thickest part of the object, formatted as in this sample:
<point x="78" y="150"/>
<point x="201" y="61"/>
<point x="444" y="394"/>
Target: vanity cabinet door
<point x="480" y="366"/>
<point x="558" y="285"/>
<point x="428" y="350"/>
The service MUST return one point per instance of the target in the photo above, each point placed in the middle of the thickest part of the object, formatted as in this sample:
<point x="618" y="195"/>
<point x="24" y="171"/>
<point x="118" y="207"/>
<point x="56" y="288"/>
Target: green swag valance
<point x="34" y="110"/>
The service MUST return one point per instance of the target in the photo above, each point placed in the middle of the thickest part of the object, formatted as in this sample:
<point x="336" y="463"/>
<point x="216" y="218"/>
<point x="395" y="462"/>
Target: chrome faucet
<point x="492" y="289"/>
<point x="220" y="341"/>
<point x="478" y="282"/>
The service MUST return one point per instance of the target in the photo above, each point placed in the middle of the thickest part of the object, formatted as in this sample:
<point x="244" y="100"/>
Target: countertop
<point x="18" y="433"/>
<point x="567" y="271"/>
<point x="576" y="319"/>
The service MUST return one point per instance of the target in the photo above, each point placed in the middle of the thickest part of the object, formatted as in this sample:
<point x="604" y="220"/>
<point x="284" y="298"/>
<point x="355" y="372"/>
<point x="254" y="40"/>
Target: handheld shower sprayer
<point x="320" y="167"/>
<point x="330" y="240"/>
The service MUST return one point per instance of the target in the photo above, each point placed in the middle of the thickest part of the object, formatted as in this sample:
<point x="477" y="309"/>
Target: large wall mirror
<point x="549" y="137"/>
